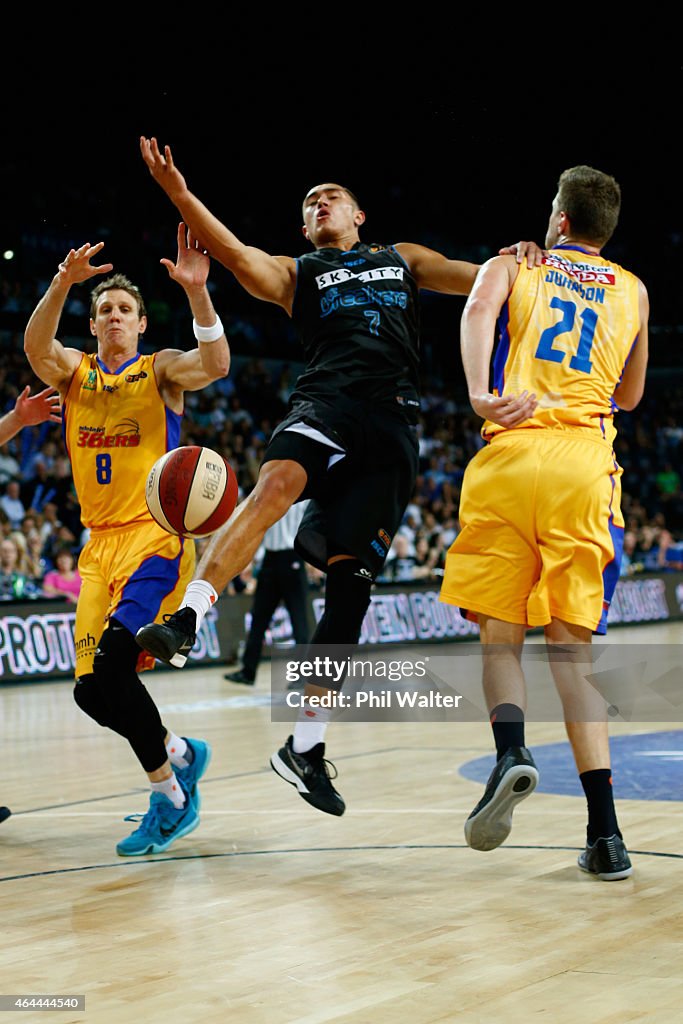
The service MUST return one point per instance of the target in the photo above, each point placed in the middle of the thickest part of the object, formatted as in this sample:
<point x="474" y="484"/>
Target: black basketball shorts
<point x="361" y="464"/>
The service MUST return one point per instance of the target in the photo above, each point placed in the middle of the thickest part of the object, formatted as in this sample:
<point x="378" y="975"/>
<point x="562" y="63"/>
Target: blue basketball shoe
<point x="191" y="775"/>
<point x="161" y="826"/>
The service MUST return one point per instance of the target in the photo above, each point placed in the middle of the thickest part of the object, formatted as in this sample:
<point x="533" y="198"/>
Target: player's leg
<point x="352" y="529"/>
<point x="145" y="569"/>
<point x="491" y="569"/>
<point x="280" y="483"/>
<point x="515" y="775"/>
<point x="586" y="721"/>
<point x="301" y="761"/>
<point x="583" y="539"/>
<point x="91" y="612"/>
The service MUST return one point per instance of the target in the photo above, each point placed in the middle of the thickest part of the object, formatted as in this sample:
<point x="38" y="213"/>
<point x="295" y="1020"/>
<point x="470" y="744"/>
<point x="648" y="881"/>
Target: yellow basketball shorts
<point x="541" y="531"/>
<point x="137" y="573"/>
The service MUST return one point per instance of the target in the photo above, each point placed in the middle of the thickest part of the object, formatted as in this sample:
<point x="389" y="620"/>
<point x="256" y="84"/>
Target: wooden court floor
<point x="274" y="913"/>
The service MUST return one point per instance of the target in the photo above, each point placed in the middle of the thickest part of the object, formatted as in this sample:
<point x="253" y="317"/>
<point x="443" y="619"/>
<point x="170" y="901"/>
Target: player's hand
<point x="41" y="407"/>
<point x="76" y="267"/>
<point x="192" y="267"/>
<point x="534" y="254"/>
<point x="507" y="410"/>
<point x="162" y="168"/>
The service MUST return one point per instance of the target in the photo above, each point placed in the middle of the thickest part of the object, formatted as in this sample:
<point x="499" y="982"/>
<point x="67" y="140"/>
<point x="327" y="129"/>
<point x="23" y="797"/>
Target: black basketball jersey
<point x="358" y="316"/>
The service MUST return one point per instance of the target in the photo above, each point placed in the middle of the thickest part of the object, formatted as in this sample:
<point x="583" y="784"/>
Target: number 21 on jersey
<point x="581" y="359"/>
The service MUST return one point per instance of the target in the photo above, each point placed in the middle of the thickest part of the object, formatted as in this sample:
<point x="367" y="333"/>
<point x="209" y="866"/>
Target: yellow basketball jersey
<point x="116" y="426"/>
<point x="565" y="335"/>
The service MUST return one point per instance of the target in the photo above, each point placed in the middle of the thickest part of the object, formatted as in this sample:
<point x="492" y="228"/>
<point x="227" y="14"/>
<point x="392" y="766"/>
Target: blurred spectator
<point x="36" y="563"/>
<point x="9" y="467"/>
<point x="12" y="505"/>
<point x="64" y="580"/>
<point x="400" y="564"/>
<point x="668" y="482"/>
<point x="12" y="581"/>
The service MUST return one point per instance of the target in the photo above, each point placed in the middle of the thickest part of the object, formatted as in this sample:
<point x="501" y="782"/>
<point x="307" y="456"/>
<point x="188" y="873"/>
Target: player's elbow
<point x="217" y="366"/>
<point x="628" y="399"/>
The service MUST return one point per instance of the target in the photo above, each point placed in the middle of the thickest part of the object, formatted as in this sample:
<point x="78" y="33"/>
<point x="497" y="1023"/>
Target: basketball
<point x="191" y="491"/>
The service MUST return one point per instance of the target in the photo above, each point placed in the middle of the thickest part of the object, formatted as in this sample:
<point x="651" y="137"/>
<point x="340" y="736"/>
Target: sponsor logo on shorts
<point x="385" y="538"/>
<point x="85" y="643"/>
<point x="379" y="548"/>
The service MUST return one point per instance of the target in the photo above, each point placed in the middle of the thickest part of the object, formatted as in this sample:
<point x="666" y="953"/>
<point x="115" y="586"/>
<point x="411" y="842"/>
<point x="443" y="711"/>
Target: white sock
<point x="199" y="596"/>
<point x="170" y="787"/>
<point x="310" y="728"/>
<point x="176" y="748"/>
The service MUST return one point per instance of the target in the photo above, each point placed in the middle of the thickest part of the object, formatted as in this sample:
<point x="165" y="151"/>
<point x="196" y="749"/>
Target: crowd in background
<point x="41" y="533"/>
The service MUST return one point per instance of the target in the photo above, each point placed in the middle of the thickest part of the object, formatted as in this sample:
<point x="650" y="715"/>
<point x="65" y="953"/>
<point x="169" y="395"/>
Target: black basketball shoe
<point x="606" y="858"/>
<point x="171" y="640"/>
<point x="240" y="676"/>
<point x="514" y="778"/>
<point x="309" y="773"/>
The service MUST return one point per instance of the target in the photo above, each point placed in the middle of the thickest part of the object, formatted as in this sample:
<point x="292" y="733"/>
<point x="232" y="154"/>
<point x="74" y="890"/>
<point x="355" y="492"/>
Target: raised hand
<point x="192" y="267"/>
<point x="507" y="410"/>
<point x="41" y="407"/>
<point x="162" y="168"/>
<point x="77" y="267"/>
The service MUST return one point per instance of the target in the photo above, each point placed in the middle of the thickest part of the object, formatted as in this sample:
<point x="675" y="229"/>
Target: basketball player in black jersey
<point x="348" y="441"/>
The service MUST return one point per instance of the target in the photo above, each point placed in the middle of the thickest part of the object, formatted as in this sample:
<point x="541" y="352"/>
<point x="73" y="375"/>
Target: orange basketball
<point x="191" y="491"/>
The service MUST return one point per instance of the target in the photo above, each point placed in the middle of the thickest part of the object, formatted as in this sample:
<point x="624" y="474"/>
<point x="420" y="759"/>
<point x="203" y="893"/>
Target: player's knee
<point x="90" y="699"/>
<point x="347" y="598"/>
<point x="279" y="485"/>
<point x="117" y="653"/>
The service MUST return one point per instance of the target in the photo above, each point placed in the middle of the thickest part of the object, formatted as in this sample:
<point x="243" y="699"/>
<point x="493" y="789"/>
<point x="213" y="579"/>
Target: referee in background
<point x="281" y="577"/>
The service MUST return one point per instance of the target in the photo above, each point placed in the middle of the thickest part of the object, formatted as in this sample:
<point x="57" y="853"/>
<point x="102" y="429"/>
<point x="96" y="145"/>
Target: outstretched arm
<point x="29" y="411"/>
<point x="272" y="278"/>
<point x="49" y="359"/>
<point x="433" y="271"/>
<point x="178" y="371"/>
<point x="632" y="384"/>
<point x="477" y="333"/>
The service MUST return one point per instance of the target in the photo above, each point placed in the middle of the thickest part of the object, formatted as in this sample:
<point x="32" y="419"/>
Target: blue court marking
<point x="646" y="766"/>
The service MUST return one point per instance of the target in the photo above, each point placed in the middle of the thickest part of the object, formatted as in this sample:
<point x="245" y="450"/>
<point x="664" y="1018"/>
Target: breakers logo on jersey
<point x="127" y="436"/>
<point x="378" y="274"/>
<point x="385" y="538"/>
<point x="582" y="272"/>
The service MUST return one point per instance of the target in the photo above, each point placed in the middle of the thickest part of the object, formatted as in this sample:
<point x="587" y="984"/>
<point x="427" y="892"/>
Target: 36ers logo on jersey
<point x="127" y="435"/>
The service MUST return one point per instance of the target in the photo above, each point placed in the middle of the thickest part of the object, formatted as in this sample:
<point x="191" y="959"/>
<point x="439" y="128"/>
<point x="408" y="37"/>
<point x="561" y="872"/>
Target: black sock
<point x="602" y="817"/>
<point x="507" y="722"/>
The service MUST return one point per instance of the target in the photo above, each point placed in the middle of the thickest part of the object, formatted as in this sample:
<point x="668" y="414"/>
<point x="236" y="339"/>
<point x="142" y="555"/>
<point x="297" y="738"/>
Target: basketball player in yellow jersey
<point x="542" y="531"/>
<point x="121" y="411"/>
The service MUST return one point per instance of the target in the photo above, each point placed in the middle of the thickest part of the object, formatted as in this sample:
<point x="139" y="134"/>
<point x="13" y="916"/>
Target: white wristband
<point x="212" y="333"/>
